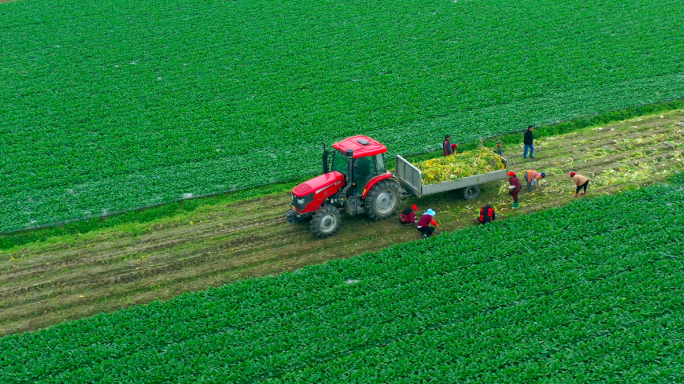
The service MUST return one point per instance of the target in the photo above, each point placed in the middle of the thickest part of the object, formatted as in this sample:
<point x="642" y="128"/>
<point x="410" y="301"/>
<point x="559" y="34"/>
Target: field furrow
<point x="45" y="283"/>
<point x="539" y="297"/>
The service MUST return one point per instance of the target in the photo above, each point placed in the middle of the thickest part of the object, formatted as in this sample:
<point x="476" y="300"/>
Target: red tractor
<point x="357" y="181"/>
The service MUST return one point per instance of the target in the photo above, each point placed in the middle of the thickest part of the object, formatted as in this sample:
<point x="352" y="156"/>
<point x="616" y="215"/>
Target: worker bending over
<point x="514" y="188"/>
<point x="580" y="182"/>
<point x="487" y="214"/>
<point x="424" y="224"/>
<point x="408" y="215"/>
<point x="532" y="178"/>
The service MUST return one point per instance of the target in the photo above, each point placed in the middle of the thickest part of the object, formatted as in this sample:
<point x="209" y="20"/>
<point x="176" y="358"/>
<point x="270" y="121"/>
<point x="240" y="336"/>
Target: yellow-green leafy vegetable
<point x="459" y="165"/>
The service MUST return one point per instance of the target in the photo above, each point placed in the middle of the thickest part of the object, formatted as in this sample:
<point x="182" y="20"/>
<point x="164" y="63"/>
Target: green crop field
<point x="590" y="292"/>
<point x="109" y="105"/>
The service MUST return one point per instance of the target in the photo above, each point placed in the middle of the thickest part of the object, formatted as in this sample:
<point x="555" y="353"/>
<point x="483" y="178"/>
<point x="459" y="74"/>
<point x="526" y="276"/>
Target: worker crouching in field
<point x="532" y="178"/>
<point x="514" y="188"/>
<point x="424" y="224"/>
<point x="449" y="149"/>
<point x="408" y="215"/>
<point x="580" y="182"/>
<point x="487" y="214"/>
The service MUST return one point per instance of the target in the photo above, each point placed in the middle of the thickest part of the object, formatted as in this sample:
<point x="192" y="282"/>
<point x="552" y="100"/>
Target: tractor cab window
<point x="364" y="167"/>
<point x="364" y="170"/>
<point x="380" y="164"/>
<point x="340" y="163"/>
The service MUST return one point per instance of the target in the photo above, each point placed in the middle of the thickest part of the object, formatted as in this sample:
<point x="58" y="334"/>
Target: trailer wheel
<point x="470" y="193"/>
<point x="326" y="221"/>
<point x="383" y="200"/>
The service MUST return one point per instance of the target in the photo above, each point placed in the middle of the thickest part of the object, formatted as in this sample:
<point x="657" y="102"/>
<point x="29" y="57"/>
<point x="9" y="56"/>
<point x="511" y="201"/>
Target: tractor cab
<point x="354" y="179"/>
<point x="368" y="160"/>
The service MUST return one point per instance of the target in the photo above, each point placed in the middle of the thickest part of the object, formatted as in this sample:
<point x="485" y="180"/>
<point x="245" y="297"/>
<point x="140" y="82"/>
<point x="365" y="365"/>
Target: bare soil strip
<point x="72" y="277"/>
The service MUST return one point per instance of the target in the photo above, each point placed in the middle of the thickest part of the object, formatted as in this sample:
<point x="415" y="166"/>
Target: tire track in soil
<point x="49" y="283"/>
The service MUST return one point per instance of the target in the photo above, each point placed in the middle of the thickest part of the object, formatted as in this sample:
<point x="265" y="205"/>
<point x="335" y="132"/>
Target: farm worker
<point x="487" y="214"/>
<point x="408" y="215"/>
<point x="449" y="148"/>
<point x="532" y="178"/>
<point x="499" y="149"/>
<point x="580" y="181"/>
<point x="424" y="224"/>
<point x="528" y="139"/>
<point x="514" y="188"/>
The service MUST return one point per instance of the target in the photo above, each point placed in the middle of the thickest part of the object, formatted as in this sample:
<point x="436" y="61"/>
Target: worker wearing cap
<point x="408" y="215"/>
<point x="487" y="214"/>
<point x="514" y="188"/>
<point x="449" y="149"/>
<point x="532" y="178"/>
<point x="424" y="224"/>
<point x="580" y="182"/>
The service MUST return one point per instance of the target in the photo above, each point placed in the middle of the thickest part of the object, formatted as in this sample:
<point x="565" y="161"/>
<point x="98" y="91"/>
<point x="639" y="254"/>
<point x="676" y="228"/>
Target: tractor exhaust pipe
<point x="325" y="159"/>
<point x="350" y="171"/>
<point x="350" y="165"/>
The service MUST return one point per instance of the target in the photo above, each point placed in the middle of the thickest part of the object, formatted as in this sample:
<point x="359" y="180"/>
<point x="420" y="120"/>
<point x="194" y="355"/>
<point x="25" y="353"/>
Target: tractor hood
<point x="319" y="184"/>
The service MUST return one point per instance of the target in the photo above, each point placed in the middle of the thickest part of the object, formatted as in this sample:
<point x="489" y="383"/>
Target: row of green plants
<point x="588" y="292"/>
<point x="116" y="105"/>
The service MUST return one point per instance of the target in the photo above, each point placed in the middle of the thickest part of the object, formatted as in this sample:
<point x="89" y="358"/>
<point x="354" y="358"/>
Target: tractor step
<point x="293" y="216"/>
<point x="354" y="206"/>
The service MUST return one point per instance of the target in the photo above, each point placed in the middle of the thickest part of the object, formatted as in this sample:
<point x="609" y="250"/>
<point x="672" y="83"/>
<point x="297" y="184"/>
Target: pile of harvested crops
<point x="459" y="165"/>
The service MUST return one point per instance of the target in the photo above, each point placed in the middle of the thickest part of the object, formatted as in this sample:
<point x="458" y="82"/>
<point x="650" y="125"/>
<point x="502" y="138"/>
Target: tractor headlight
<point x="301" y="202"/>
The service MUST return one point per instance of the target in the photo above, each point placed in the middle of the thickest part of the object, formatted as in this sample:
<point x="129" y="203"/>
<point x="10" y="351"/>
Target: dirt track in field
<point x="44" y="284"/>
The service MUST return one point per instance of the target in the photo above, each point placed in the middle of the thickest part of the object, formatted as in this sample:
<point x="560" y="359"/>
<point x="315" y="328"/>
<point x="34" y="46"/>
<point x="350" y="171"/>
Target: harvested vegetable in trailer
<point x="464" y="164"/>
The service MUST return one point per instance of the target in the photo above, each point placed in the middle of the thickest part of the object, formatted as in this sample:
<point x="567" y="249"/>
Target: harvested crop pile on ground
<point x="464" y="164"/>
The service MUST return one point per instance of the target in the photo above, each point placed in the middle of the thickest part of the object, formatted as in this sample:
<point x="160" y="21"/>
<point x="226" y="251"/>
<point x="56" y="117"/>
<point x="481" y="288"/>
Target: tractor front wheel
<point x="326" y="221"/>
<point x="383" y="200"/>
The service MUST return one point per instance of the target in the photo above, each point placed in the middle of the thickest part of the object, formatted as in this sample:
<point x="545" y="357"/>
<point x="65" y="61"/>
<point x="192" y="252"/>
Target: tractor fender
<point x="374" y="181"/>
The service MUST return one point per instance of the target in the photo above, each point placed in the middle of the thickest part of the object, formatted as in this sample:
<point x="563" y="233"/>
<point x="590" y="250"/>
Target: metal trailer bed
<point x="412" y="179"/>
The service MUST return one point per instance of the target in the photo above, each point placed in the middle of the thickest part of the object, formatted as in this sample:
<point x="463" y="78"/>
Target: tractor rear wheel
<point x="471" y="192"/>
<point x="326" y="221"/>
<point x="383" y="200"/>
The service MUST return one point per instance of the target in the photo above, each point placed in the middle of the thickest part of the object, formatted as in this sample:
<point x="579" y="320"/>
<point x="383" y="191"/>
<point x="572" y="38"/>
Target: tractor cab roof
<point x="362" y="146"/>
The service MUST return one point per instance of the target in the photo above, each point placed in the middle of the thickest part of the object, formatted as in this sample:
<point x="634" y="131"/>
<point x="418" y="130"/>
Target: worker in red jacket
<point x="424" y="224"/>
<point x="487" y="214"/>
<point x="408" y="215"/>
<point x="514" y="188"/>
<point x="449" y="149"/>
